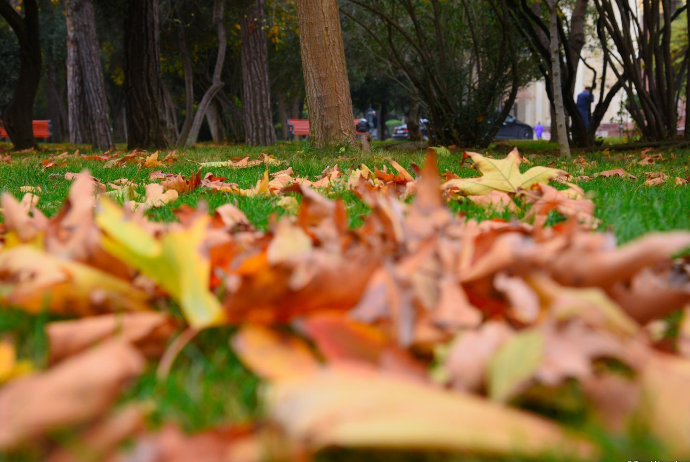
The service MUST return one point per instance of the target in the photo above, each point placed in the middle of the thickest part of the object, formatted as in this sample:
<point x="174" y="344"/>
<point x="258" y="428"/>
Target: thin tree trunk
<point x="256" y="94"/>
<point x="188" y="83"/>
<point x="170" y="113"/>
<point x="215" y="123"/>
<point x="554" y="124"/>
<point x="325" y="74"/>
<point x="556" y="80"/>
<point x="18" y="116"/>
<point x="216" y="84"/>
<point x="383" y="129"/>
<point x="55" y="103"/>
<point x="413" y="130"/>
<point x="283" y="115"/>
<point x="147" y="123"/>
<point x="119" y="123"/>
<point x="296" y="109"/>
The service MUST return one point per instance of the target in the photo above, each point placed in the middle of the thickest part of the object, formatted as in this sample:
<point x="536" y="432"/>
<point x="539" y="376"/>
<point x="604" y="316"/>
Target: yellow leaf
<point x="501" y="175"/>
<point x="289" y="243"/>
<point x="175" y="262"/>
<point x="514" y="363"/>
<point x="10" y="368"/>
<point x="32" y="279"/>
<point x="359" y="407"/>
<point x="152" y="161"/>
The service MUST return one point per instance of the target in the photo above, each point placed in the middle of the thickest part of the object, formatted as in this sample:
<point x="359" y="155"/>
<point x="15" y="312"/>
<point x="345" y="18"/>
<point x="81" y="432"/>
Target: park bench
<point x="41" y="129"/>
<point x="300" y="127"/>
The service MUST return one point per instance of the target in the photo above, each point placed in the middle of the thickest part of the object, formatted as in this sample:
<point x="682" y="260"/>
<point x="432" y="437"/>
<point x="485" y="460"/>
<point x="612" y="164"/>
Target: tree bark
<point x="215" y="123"/>
<point x="216" y="84"/>
<point x="554" y="124"/>
<point x="414" y="132"/>
<point x="256" y="94"/>
<point x="687" y="76"/>
<point x="89" y="116"/>
<point x="56" y="106"/>
<point x="325" y="74"/>
<point x="283" y="115"/>
<point x="188" y="82"/>
<point x="18" y="116"/>
<point x="556" y="80"/>
<point x="57" y="110"/>
<point x="147" y="123"/>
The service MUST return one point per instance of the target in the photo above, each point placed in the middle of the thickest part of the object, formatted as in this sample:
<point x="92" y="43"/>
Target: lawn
<point x="208" y="386"/>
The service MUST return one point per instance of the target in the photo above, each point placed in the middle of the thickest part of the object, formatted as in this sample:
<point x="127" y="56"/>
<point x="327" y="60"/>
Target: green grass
<point x="208" y="385"/>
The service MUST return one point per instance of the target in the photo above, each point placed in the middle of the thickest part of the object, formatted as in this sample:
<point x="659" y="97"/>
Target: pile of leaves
<point x="419" y="330"/>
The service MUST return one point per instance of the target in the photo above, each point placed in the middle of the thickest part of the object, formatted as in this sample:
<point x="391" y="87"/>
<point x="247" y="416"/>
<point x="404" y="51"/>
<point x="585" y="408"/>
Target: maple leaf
<point x="152" y="161"/>
<point x="175" y="262"/>
<point x="501" y="175"/>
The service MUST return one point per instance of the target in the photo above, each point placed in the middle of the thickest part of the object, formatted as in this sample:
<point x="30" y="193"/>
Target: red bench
<point x="41" y="129"/>
<point x="300" y="127"/>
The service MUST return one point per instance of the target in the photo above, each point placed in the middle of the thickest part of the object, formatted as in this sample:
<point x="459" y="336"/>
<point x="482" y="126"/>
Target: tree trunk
<point x="283" y="115"/>
<point x="215" y="123"/>
<point x="413" y="130"/>
<point x="296" y="109"/>
<point x="119" y="123"/>
<point x="56" y="107"/>
<point x="256" y="94"/>
<point x="57" y="111"/>
<point x="383" y="128"/>
<point x="216" y="84"/>
<point x="554" y="124"/>
<point x="325" y="74"/>
<point x="147" y="124"/>
<point x="556" y="80"/>
<point x="18" y="116"/>
<point x="188" y="83"/>
<point x="89" y="116"/>
<point x="687" y="77"/>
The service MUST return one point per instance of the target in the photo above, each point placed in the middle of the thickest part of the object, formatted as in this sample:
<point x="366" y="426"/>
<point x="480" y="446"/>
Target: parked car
<point x="400" y="132"/>
<point x="514" y="129"/>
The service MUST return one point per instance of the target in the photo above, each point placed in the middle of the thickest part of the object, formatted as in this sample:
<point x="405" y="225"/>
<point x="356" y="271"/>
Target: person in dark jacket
<point x="584" y="104"/>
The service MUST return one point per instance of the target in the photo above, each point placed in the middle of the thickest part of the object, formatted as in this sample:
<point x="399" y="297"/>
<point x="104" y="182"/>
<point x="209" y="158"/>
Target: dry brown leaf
<point x="271" y="354"/>
<point x="103" y="438"/>
<point x="148" y="332"/>
<point x="619" y="172"/>
<point x="75" y="391"/>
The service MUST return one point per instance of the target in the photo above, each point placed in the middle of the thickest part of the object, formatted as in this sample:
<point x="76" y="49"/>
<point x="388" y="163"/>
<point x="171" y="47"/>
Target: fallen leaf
<point x="176" y="261"/>
<point x="358" y="407"/>
<point x="501" y="175"/>
<point x="146" y="331"/>
<point x="75" y="391"/>
<point x="619" y="172"/>
<point x="271" y="354"/>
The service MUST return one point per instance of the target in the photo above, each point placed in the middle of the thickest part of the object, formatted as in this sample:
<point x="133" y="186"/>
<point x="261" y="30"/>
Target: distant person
<point x="362" y="126"/>
<point x="539" y="130"/>
<point x="374" y="125"/>
<point x="584" y="104"/>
